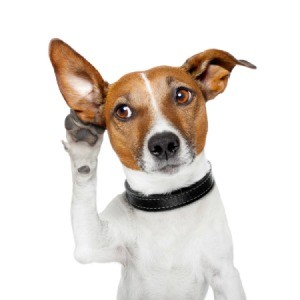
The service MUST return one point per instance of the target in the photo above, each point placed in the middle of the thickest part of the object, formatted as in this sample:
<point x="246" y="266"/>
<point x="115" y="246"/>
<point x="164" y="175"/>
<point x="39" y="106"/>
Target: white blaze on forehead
<point x="160" y="123"/>
<point x="150" y="92"/>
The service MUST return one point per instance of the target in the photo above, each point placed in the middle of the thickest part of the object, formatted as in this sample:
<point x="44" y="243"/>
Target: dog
<point x="168" y="229"/>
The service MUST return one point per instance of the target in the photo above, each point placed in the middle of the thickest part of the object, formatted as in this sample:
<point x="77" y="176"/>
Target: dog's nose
<point x="164" y="145"/>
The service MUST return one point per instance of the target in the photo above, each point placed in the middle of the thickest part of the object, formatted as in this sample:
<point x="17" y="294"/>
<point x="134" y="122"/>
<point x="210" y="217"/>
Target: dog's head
<point x="156" y="119"/>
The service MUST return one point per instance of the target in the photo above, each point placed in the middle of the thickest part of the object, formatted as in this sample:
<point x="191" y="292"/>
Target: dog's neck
<point x="147" y="184"/>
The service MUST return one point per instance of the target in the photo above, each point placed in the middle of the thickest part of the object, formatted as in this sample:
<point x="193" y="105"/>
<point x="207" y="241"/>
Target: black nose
<point x="164" y="145"/>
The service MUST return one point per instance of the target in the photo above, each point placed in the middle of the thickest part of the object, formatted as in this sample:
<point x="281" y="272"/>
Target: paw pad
<point x="81" y="132"/>
<point x="86" y="135"/>
<point x="69" y="123"/>
<point x="84" y="170"/>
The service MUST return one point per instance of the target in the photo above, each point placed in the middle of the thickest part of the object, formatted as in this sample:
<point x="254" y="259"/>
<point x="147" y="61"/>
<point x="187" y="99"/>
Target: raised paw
<point x="80" y="132"/>
<point x="83" y="142"/>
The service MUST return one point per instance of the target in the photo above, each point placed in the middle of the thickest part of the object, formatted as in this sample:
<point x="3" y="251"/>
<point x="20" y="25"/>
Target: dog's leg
<point x="95" y="238"/>
<point x="226" y="283"/>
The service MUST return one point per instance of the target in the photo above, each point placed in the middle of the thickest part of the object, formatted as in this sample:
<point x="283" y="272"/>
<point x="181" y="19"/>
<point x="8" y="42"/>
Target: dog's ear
<point x="79" y="82"/>
<point x="211" y="70"/>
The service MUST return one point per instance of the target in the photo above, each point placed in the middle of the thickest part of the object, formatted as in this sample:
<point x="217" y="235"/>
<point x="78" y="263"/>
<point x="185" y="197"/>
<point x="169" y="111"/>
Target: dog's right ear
<point x="211" y="70"/>
<point x="79" y="82"/>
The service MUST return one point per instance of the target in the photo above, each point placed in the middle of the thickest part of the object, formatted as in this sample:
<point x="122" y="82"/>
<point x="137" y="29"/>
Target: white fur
<point x="151" y="183"/>
<point x="164" y="255"/>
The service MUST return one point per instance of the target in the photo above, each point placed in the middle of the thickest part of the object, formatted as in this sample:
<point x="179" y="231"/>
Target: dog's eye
<point x="183" y="96"/>
<point x="123" y="112"/>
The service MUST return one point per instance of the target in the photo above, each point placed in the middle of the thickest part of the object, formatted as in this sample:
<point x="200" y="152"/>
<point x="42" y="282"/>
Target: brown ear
<point x="79" y="82"/>
<point x="211" y="70"/>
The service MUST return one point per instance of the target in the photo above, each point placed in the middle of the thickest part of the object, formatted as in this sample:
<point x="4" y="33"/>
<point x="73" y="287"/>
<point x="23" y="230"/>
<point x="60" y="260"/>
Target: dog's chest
<point x="169" y="252"/>
<point x="165" y="256"/>
<point x="169" y="242"/>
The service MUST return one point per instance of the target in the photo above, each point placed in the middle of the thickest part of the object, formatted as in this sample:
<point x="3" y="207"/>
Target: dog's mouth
<point x="169" y="168"/>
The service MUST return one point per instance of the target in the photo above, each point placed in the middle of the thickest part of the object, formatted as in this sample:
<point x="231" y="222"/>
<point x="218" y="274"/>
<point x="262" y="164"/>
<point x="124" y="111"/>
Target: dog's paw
<point x="80" y="132"/>
<point x="83" y="141"/>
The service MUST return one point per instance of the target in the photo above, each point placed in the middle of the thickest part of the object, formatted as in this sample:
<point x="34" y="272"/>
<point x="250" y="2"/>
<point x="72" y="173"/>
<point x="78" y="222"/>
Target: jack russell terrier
<point x="168" y="229"/>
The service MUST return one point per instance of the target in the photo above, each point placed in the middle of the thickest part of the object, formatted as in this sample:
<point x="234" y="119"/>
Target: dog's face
<point x="156" y="119"/>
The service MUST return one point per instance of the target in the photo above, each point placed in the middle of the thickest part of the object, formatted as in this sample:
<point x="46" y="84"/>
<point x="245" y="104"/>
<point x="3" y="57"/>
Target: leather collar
<point x="178" y="198"/>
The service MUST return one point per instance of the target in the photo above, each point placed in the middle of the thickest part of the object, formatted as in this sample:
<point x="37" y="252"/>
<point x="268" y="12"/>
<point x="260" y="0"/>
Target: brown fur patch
<point x="211" y="69"/>
<point x="68" y="63"/>
<point x="127" y="137"/>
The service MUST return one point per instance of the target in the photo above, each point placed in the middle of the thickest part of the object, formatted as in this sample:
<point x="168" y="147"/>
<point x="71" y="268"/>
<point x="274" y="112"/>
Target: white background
<point x="253" y="140"/>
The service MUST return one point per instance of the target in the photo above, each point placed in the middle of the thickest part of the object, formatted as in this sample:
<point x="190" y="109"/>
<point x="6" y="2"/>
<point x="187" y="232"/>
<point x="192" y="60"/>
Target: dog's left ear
<point x="80" y="83"/>
<point x="211" y="70"/>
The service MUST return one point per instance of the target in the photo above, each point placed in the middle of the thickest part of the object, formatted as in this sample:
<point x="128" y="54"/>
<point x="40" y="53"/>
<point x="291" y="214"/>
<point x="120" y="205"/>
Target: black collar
<point x="178" y="198"/>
